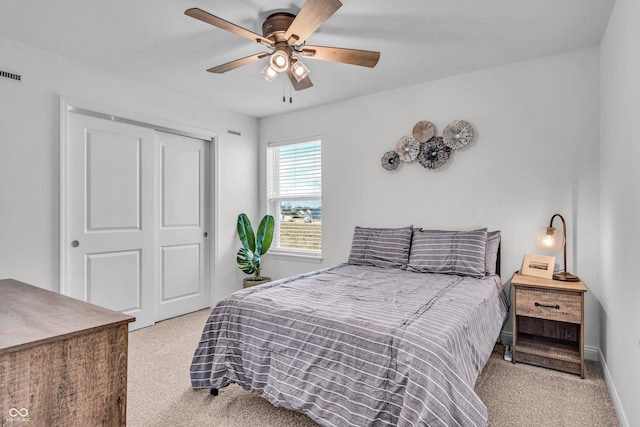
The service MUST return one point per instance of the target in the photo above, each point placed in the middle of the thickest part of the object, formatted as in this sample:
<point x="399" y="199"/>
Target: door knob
<point x="75" y="243"/>
<point x="205" y="234"/>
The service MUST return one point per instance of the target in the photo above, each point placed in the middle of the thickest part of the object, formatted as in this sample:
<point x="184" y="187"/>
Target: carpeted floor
<point x="159" y="392"/>
<point x="524" y="395"/>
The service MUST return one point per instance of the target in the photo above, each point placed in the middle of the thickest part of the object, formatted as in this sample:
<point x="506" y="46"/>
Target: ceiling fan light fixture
<point x="299" y="70"/>
<point x="279" y="61"/>
<point x="269" y="73"/>
<point x="286" y="34"/>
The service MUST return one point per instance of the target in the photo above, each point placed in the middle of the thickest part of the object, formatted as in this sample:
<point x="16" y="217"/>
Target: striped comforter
<point x="358" y="345"/>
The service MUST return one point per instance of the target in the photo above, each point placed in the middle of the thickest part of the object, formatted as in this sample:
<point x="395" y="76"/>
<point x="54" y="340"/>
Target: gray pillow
<point x="491" y="254"/>
<point x="381" y="247"/>
<point x="449" y="252"/>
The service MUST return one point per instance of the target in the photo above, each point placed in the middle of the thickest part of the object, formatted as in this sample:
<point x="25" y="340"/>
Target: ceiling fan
<point x="285" y="34"/>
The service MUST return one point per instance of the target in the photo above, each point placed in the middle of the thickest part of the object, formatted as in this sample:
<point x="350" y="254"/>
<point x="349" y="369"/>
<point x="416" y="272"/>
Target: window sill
<point x="296" y="256"/>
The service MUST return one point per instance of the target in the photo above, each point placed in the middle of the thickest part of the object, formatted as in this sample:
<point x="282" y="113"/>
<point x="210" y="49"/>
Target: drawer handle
<point x="557" y="307"/>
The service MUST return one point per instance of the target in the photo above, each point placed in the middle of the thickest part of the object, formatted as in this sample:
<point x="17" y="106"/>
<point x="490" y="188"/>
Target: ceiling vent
<point x="10" y="76"/>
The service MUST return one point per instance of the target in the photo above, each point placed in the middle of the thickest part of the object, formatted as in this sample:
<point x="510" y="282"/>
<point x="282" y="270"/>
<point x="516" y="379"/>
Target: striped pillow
<point x="493" y="243"/>
<point x="381" y="247"/>
<point x="449" y="252"/>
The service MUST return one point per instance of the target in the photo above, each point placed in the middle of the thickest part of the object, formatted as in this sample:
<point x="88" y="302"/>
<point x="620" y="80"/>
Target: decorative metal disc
<point x="434" y="153"/>
<point x="407" y="148"/>
<point x="390" y="161"/>
<point x="423" y="131"/>
<point x="457" y="134"/>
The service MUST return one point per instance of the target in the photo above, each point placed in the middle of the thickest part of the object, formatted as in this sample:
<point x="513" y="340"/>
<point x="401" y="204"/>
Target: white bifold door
<point x="135" y="219"/>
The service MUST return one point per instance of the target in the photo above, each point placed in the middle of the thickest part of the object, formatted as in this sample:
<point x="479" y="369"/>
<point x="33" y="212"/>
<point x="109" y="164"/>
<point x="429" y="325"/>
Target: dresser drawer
<point x="549" y="304"/>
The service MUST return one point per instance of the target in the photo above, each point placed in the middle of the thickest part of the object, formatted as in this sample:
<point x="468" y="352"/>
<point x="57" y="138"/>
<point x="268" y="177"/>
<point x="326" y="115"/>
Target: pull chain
<point x="284" y="97"/>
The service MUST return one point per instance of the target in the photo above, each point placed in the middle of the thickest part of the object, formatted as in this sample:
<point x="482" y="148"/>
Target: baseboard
<point x="590" y="353"/>
<point x="615" y="399"/>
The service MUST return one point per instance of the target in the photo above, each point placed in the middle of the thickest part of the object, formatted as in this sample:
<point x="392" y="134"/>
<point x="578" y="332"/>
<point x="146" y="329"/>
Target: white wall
<point x="29" y="155"/>
<point x="535" y="154"/>
<point x="620" y="204"/>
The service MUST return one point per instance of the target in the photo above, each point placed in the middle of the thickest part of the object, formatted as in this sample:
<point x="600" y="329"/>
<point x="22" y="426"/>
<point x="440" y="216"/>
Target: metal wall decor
<point x="431" y="151"/>
<point x="390" y="160"/>
<point x="423" y="131"/>
<point x="407" y="148"/>
<point x="434" y="153"/>
<point x="457" y="134"/>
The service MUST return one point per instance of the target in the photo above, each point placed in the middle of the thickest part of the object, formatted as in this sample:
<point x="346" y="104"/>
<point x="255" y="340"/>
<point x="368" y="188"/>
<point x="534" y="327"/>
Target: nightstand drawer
<point x="553" y="305"/>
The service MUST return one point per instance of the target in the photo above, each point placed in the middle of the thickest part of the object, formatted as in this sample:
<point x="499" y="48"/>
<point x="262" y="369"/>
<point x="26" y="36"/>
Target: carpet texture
<point x="160" y="394"/>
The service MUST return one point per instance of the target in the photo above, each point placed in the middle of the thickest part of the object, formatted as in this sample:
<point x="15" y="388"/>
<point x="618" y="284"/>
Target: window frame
<point x="273" y="204"/>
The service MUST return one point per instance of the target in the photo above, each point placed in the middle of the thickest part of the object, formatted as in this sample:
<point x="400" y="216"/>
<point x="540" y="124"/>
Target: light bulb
<point x="547" y="241"/>
<point x="299" y="70"/>
<point x="269" y="73"/>
<point x="279" y="61"/>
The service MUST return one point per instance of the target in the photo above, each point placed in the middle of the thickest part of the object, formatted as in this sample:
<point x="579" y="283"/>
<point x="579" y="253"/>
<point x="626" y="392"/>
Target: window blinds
<point x="294" y="189"/>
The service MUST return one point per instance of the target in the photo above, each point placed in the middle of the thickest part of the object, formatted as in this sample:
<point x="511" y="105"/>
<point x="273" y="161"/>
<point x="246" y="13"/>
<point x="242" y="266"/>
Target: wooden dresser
<point x="63" y="362"/>
<point x="548" y="323"/>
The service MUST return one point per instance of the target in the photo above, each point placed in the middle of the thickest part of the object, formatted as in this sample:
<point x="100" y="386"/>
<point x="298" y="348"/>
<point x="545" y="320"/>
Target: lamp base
<point x="566" y="277"/>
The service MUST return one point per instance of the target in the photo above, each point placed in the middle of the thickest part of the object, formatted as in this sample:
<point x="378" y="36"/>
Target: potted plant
<point x="253" y="247"/>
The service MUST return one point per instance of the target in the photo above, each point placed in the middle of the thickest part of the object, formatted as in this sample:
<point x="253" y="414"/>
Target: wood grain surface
<point x="30" y="316"/>
<point x="63" y="362"/>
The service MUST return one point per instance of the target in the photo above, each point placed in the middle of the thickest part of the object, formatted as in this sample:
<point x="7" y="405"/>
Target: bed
<point x="395" y="336"/>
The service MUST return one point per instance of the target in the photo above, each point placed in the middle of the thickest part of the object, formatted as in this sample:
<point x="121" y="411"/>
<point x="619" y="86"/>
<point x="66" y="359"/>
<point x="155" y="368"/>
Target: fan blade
<point x="226" y="25"/>
<point x="313" y="14"/>
<point x="299" y="85"/>
<point x="237" y="63"/>
<point x="365" y="58"/>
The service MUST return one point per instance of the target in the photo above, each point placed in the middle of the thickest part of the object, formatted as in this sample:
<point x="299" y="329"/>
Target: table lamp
<point x="551" y="240"/>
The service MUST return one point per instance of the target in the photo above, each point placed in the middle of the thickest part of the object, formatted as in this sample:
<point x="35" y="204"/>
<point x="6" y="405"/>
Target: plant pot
<point x="252" y="281"/>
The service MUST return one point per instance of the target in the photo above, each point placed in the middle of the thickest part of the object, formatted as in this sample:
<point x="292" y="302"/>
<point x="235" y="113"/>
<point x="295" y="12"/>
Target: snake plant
<point x="253" y="245"/>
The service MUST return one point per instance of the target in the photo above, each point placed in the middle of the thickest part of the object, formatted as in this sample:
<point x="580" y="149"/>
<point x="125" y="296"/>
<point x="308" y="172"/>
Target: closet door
<point x="135" y="219"/>
<point x="109" y="216"/>
<point x="182" y="236"/>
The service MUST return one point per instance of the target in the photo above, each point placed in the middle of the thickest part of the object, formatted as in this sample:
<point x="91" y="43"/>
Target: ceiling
<point x="419" y="40"/>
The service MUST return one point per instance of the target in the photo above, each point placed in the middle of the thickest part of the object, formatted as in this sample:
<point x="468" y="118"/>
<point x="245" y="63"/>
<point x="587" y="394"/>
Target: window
<point x="294" y="195"/>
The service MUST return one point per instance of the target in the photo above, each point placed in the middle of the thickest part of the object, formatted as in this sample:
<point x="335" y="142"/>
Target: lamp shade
<point x="269" y="73"/>
<point x="299" y="70"/>
<point x="279" y="60"/>
<point x="549" y="239"/>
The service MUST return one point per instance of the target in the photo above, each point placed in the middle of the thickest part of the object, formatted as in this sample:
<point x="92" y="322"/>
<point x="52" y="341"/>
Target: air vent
<point x="10" y="76"/>
<point x="233" y="132"/>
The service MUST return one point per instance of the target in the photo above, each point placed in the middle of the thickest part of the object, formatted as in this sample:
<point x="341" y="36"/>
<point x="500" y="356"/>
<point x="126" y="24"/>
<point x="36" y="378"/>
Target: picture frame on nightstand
<point x="538" y="265"/>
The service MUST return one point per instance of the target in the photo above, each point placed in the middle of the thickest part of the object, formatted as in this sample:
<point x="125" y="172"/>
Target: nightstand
<point x="548" y="323"/>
